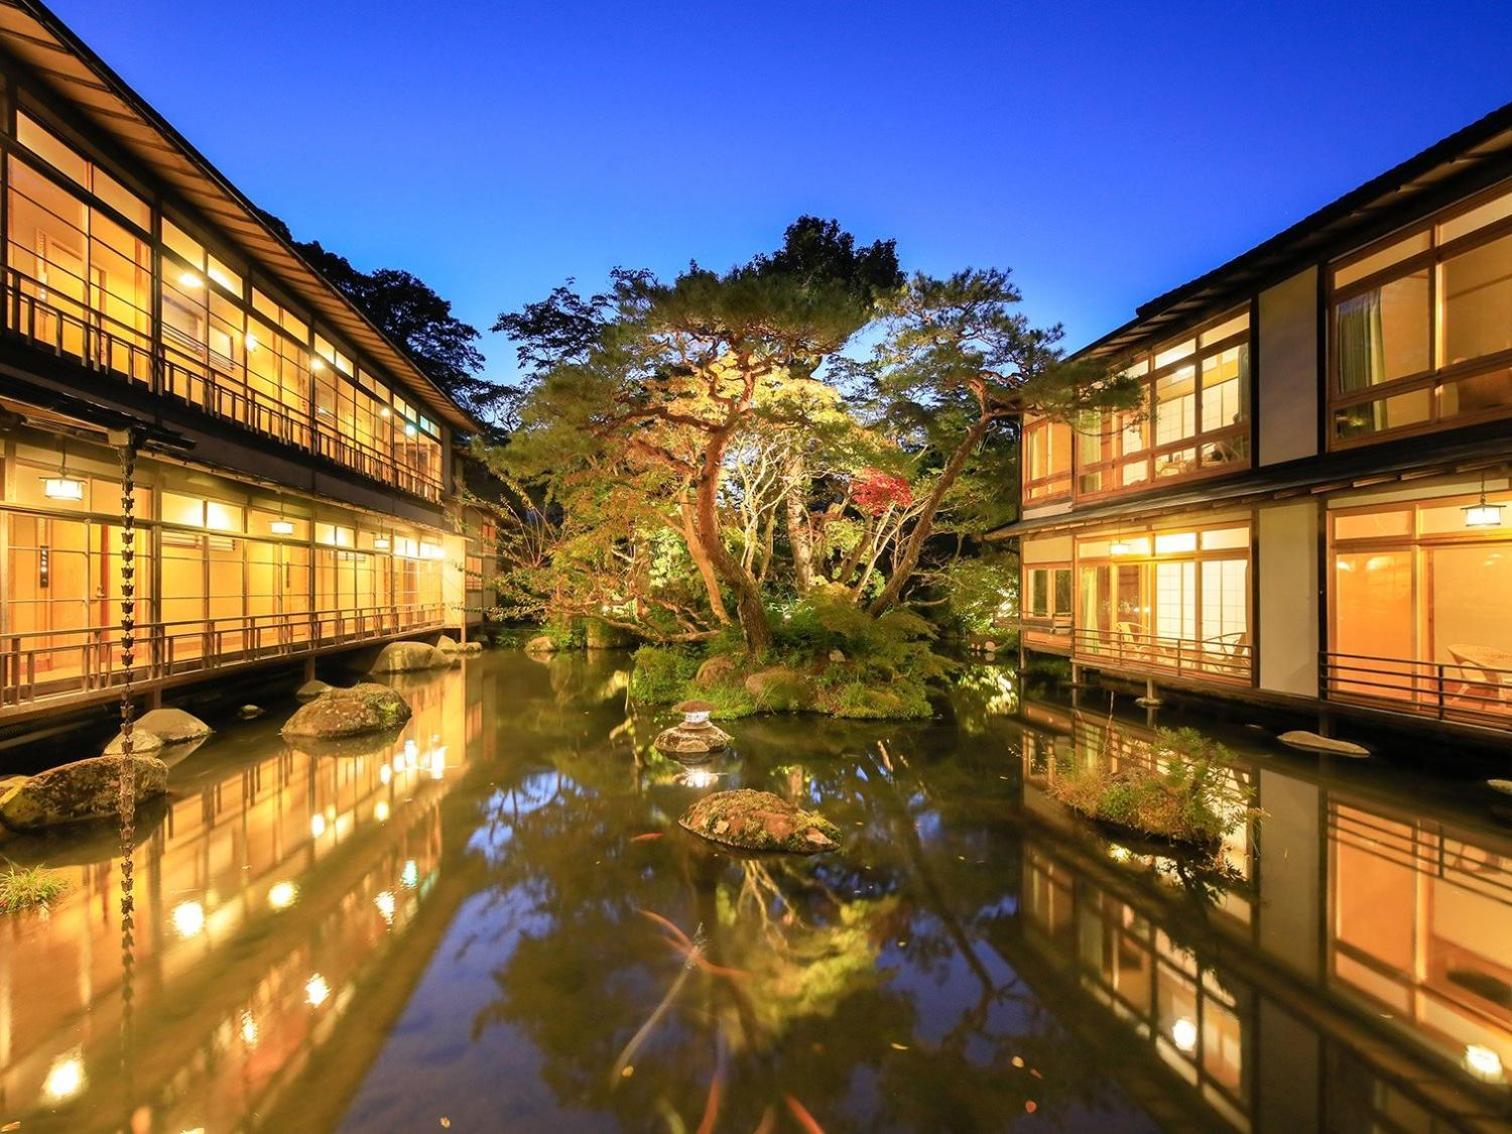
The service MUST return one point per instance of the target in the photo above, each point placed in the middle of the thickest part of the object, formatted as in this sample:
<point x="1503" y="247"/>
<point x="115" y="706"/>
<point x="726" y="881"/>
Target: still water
<point x="493" y="923"/>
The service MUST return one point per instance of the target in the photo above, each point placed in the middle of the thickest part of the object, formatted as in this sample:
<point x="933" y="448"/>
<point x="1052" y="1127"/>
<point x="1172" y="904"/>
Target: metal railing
<point x="1449" y="690"/>
<point x="1224" y="658"/>
<point x="44" y="664"/>
<point x="101" y="343"/>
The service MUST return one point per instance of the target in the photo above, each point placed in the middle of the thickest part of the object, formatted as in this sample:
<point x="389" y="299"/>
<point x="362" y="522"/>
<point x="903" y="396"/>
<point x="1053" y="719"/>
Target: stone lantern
<point x="695" y="739"/>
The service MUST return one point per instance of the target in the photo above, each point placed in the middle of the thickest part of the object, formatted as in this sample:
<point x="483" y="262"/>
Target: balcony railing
<point x="1227" y="657"/>
<point x="1467" y="689"/>
<point x="101" y="343"/>
<point x="42" y="665"/>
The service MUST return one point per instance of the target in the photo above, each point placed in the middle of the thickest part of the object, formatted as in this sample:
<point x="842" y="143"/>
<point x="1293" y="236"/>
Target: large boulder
<point x="312" y="689"/>
<point x="83" y="790"/>
<point x="759" y="821"/>
<point x="473" y="647"/>
<point x="143" y="742"/>
<point x="174" y="725"/>
<point x="716" y="671"/>
<point x="541" y="644"/>
<point x="362" y="709"/>
<point x="410" y="657"/>
<point x="447" y="644"/>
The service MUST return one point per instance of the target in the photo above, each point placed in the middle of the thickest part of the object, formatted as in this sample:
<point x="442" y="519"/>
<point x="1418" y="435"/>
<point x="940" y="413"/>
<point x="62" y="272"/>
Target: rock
<point x="364" y="708"/>
<point x="1503" y="786"/>
<point x="174" y="725"/>
<point x="540" y="644"/>
<point x="715" y="671"/>
<point x="472" y="647"/>
<point x="249" y="712"/>
<point x="837" y="656"/>
<point x="410" y="657"/>
<point x="760" y="821"/>
<point x="780" y="689"/>
<point x="311" y="689"/>
<point x="447" y="644"/>
<point x="1312" y="742"/>
<point x="85" y="789"/>
<point x="142" y="743"/>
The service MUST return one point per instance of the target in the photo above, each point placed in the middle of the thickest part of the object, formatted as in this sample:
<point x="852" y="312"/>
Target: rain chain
<point x="126" y="795"/>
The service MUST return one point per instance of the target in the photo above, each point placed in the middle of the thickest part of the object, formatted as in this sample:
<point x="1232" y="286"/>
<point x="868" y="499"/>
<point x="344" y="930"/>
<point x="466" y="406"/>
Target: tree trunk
<point x="800" y="537"/>
<point x="701" y="560"/>
<point x="749" y="608"/>
<point x="920" y="535"/>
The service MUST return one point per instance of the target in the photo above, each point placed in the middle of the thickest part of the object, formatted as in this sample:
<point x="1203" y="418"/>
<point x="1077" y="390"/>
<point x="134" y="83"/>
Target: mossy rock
<point x="143" y="743"/>
<point x="174" y="725"/>
<point x="473" y="647"/>
<point x="312" y="689"/>
<point x="692" y="740"/>
<point x="77" y="792"/>
<point x="759" y="821"/>
<point x="362" y="709"/>
<point x="716" y="671"/>
<point x="448" y="645"/>
<point x="410" y="657"/>
<point x="541" y="644"/>
<point x="781" y="690"/>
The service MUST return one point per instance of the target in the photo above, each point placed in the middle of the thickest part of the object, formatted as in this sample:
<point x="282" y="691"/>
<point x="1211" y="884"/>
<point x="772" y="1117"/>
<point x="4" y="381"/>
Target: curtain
<point x="1362" y="343"/>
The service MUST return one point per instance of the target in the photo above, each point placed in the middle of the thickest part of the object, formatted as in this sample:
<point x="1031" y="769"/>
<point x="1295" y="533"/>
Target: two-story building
<point x="1312" y="507"/>
<point x="294" y="479"/>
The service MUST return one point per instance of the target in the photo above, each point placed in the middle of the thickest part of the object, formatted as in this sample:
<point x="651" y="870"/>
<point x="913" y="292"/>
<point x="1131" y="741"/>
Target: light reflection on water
<point x="494" y="919"/>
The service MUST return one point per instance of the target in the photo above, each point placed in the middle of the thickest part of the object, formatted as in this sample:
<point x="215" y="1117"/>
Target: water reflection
<point x="493" y="919"/>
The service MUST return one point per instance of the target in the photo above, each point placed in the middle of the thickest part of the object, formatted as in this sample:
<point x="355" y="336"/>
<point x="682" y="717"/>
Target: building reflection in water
<point x="266" y="893"/>
<point x="1358" y="979"/>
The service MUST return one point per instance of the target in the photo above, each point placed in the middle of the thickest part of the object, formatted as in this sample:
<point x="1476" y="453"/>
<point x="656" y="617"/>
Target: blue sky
<point x="1105" y="152"/>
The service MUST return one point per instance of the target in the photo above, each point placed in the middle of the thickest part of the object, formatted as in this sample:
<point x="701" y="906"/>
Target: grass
<point x="24" y="888"/>
<point x="1183" y="802"/>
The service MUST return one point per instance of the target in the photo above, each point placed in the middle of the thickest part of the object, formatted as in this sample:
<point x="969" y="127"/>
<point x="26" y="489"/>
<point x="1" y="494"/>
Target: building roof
<point x="34" y="35"/>
<point x="1466" y="160"/>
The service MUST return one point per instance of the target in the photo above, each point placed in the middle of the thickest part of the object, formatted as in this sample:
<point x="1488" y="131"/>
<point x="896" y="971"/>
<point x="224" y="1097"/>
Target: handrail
<point x="1444" y="689"/>
<point x="1132" y="649"/>
<point x="38" y="665"/>
<point x="101" y="342"/>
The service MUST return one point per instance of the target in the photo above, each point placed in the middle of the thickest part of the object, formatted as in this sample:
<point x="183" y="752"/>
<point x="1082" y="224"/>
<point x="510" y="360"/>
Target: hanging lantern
<point x="63" y="486"/>
<point x="1481" y="514"/>
<point x="1120" y="547"/>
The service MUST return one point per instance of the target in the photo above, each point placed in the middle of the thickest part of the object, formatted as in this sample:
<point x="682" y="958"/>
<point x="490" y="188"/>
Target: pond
<point x="494" y="923"/>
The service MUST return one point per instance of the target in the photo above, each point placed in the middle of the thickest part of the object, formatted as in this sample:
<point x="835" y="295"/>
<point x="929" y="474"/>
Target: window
<point x="1047" y="592"/>
<point x="1422" y="327"/>
<point x="1047" y="459"/>
<point x="1196" y="421"/>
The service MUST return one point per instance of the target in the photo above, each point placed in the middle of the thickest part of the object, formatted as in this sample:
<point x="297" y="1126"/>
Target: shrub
<point x="661" y="674"/>
<point x="858" y="700"/>
<point x="1185" y="802"/>
<point x="22" y="889"/>
<point x="731" y="702"/>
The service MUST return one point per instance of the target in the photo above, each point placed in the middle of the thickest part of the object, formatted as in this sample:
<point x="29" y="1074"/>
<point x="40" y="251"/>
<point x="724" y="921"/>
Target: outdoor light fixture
<point x="1481" y="514"/>
<point x="189" y="919"/>
<point x="1120" y="547"/>
<point x="1483" y="1063"/>
<point x="63" y="486"/>
<point x="380" y="543"/>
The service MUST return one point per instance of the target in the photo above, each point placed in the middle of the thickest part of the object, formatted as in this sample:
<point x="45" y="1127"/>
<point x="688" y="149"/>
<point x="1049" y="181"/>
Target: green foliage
<point x="29" y="888"/>
<point x="1186" y="801"/>
<point x="661" y="674"/>
<point x="982" y="592"/>
<point x="903" y="699"/>
<point x="730" y="701"/>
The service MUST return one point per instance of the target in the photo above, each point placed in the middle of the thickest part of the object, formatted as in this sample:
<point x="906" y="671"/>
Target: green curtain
<point x="1362" y="343"/>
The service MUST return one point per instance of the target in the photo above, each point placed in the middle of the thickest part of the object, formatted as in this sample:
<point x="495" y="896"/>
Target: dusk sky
<point x="1105" y="155"/>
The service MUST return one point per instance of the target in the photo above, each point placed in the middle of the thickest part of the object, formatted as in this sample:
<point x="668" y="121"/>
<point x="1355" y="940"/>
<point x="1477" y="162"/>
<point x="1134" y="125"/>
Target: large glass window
<point x="1170" y="599"/>
<point x="1421" y="607"/>
<point x="1195" y="420"/>
<point x="1422" y="327"/>
<point x="1047" y="460"/>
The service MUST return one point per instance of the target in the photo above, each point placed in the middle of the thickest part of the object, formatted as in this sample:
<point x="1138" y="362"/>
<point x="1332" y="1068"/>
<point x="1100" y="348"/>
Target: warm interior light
<point x="189" y="919"/>
<point x="62" y="488"/>
<point x="282" y="895"/>
<point x="386" y="905"/>
<point x="409" y="430"/>
<point x="1184" y="1034"/>
<point x="1483" y="1063"/>
<point x="189" y="279"/>
<point x="381" y="808"/>
<point x="249" y="1029"/>
<point x="380" y="543"/>
<point x="281" y="527"/>
<point x="251" y="341"/>
<point x="316" y="991"/>
<point x="384" y="412"/>
<point x="317" y="825"/>
<point x="1119" y="547"/>
<point x="1483" y="515"/>
<point x="317" y="364"/>
<point x="430" y="551"/>
<point x="65" y="1078"/>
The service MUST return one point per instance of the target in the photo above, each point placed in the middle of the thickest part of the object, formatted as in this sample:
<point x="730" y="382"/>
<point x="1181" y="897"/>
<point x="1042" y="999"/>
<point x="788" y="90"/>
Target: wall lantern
<point x="1480" y="514"/>
<point x="63" y="486"/>
<point x="380" y="543"/>
<point x="1120" y="547"/>
<point x="281" y="526"/>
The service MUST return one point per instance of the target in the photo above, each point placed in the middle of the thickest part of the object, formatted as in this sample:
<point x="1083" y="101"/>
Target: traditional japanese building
<point x="294" y="478"/>
<point x="1312" y="507"/>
